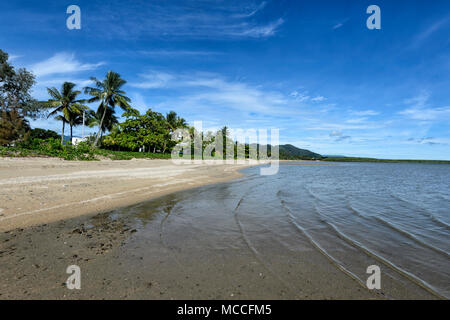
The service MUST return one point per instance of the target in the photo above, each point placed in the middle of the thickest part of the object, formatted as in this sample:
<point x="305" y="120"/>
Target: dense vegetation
<point x="290" y="152"/>
<point x="356" y="159"/>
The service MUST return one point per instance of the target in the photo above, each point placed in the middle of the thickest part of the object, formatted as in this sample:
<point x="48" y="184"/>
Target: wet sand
<point x="119" y="261"/>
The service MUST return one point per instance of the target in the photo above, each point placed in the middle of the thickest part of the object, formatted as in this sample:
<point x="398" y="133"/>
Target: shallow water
<point x="393" y="215"/>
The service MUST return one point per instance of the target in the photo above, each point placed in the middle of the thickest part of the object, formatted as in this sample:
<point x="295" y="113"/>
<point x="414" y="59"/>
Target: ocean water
<point x="394" y="215"/>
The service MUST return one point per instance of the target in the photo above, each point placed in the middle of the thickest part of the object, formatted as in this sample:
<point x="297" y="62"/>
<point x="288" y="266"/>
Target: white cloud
<point x="154" y="79"/>
<point x="261" y="31"/>
<point x="427" y="114"/>
<point x="172" y="53"/>
<point x="228" y="19"/>
<point x="337" y="26"/>
<point x="365" y="113"/>
<point x="420" y="110"/>
<point x="420" y="100"/>
<point x="429" y="31"/>
<point x="357" y="120"/>
<point x="261" y="6"/>
<point x="61" y="63"/>
<point x="298" y="96"/>
<point x="208" y="91"/>
<point x="318" y="99"/>
<point x="57" y="82"/>
<point x="338" y="136"/>
<point x="13" y="57"/>
<point x="335" y="133"/>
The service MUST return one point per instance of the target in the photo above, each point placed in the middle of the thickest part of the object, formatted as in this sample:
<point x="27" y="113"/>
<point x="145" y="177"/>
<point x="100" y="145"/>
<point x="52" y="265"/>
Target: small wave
<point x="254" y="250"/>
<point x="319" y="247"/>
<point x="439" y="222"/>
<point x="412" y="237"/>
<point x="353" y="210"/>
<point x="423" y="284"/>
<point x="168" y="209"/>
<point x="423" y="210"/>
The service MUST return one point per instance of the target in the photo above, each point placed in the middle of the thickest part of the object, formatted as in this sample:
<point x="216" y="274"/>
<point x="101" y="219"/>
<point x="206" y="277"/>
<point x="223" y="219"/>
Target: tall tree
<point x="174" y="121"/>
<point x="75" y="117"/>
<point x="15" y="101"/>
<point x="15" y="89"/>
<point x="108" y="123"/>
<point x="66" y="102"/>
<point x="109" y="93"/>
<point x="13" y="128"/>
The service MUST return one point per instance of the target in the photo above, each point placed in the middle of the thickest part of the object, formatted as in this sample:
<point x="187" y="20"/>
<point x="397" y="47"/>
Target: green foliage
<point x="110" y="94"/>
<point x="151" y="132"/>
<point x="51" y="147"/>
<point x="15" y="88"/>
<point x="13" y="128"/>
<point x="128" y="155"/>
<point x="65" y="102"/>
<point x="290" y="152"/>
<point x="356" y="159"/>
<point x="43" y="134"/>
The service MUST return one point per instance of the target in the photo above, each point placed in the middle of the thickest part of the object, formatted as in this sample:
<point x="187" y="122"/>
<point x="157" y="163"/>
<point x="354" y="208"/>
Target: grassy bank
<point x="356" y="159"/>
<point x="82" y="152"/>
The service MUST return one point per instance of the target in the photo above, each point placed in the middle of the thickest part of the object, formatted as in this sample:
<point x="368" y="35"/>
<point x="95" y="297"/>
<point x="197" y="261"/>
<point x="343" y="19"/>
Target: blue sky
<point x="310" y="68"/>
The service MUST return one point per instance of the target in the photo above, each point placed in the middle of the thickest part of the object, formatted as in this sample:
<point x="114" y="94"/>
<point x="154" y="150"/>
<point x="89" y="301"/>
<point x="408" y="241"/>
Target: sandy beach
<point x="42" y="190"/>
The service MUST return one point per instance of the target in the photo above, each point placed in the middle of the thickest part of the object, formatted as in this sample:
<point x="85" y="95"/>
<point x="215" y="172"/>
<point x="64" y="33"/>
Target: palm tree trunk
<point x="62" y="134"/>
<point x="100" y="126"/>
<point x="71" y="136"/>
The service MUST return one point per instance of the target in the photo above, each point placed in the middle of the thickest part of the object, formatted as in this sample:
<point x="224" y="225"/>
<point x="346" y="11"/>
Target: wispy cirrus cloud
<point x="174" y="53"/>
<point x="427" y="114"/>
<point x="304" y="96"/>
<point x="419" y="109"/>
<point x="59" y="68"/>
<point x="429" y="31"/>
<point x="13" y="57"/>
<point x="338" y="136"/>
<point x="365" y="113"/>
<point x="62" y="63"/>
<point x="186" y="19"/>
<point x="337" y="26"/>
<point x="429" y="141"/>
<point x="254" y="10"/>
<point x="319" y="99"/>
<point x="206" y="91"/>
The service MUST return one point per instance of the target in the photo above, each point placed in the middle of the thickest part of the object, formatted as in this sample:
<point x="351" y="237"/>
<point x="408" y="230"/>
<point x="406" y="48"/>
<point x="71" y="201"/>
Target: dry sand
<point x="35" y="191"/>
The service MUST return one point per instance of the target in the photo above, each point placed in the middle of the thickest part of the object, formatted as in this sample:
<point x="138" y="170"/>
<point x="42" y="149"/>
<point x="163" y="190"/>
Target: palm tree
<point x="64" y="120"/>
<point x="108" y="123"/>
<point x="174" y="121"/>
<point x="75" y="117"/>
<point x="66" y="102"/>
<point x="109" y="93"/>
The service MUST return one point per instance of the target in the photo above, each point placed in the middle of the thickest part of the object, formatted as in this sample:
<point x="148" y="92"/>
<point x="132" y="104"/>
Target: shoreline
<point x="37" y="191"/>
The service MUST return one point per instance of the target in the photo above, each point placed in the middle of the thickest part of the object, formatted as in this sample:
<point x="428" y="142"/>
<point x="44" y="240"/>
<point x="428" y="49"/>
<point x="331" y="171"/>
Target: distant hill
<point x="290" y="152"/>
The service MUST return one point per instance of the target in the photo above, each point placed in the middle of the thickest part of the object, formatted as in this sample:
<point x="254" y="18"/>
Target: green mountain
<point x="290" y="152"/>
